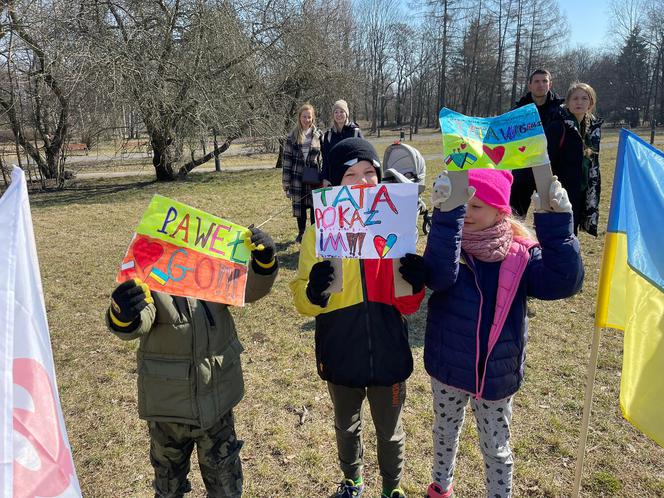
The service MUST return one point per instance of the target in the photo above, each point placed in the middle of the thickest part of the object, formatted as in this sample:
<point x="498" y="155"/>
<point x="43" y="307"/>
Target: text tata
<point x="348" y="207"/>
<point x="509" y="132"/>
<point x="211" y="240"/>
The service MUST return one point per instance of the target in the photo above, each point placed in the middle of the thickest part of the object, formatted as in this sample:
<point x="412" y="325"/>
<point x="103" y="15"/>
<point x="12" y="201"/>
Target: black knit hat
<point x="348" y="152"/>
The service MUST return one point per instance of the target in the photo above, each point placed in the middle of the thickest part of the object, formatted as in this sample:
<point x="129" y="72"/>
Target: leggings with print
<point x="493" y="426"/>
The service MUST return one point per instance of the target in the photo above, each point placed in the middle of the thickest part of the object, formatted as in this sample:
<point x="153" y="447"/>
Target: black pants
<point x="171" y="446"/>
<point x="302" y="219"/>
<point x="522" y="189"/>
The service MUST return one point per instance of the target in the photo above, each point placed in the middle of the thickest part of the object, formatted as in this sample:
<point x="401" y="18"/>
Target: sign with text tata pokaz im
<point x="512" y="140"/>
<point x="366" y="222"/>
<point x="184" y="251"/>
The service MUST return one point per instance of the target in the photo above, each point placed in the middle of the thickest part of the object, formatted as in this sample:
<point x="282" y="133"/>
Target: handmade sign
<point x="512" y="140"/>
<point x="183" y="251"/>
<point x="366" y="222"/>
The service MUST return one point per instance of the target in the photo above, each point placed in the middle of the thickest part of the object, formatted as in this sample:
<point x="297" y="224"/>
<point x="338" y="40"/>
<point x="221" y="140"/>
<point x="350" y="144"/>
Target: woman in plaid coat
<point x="302" y="150"/>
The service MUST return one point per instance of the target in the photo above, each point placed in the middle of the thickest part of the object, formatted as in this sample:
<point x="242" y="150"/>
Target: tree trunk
<point x="165" y="155"/>
<point x="185" y="169"/>
<point x="282" y="138"/>
<point x="497" y="81"/>
<point x="517" y="47"/>
<point x="442" y="82"/>
<point x="471" y="80"/>
<point x="531" y="48"/>
<point x="217" y="161"/>
<point x="52" y="163"/>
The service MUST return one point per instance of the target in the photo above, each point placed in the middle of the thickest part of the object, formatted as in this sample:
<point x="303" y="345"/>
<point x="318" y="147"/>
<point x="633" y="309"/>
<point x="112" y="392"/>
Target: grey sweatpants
<point x="493" y="426"/>
<point x="386" y="404"/>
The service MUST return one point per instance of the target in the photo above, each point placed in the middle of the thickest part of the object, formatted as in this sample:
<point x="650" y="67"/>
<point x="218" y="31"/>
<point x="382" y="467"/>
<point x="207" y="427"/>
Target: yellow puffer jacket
<point x="361" y="334"/>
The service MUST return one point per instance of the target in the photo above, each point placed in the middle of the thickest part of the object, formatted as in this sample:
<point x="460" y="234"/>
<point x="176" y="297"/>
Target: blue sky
<point x="588" y="21"/>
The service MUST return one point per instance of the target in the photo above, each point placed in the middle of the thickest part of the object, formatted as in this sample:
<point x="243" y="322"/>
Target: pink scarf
<point x="489" y="245"/>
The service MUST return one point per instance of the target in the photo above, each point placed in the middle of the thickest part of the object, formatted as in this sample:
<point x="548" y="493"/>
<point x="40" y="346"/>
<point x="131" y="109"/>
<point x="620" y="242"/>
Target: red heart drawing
<point x="147" y="253"/>
<point x="496" y="154"/>
<point x="522" y="148"/>
<point x="383" y="245"/>
<point x="463" y="145"/>
<point x="379" y="244"/>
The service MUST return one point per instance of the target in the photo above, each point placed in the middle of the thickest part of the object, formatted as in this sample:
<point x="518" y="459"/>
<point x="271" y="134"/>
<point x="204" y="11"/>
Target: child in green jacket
<point x="190" y="376"/>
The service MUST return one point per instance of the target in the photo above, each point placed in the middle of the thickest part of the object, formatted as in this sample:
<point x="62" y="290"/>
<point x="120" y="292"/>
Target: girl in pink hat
<point x="481" y="265"/>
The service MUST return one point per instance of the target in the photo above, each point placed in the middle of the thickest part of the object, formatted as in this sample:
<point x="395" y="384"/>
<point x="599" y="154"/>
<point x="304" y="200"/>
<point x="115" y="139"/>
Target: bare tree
<point x="626" y="16"/>
<point x="310" y="65"/>
<point x="501" y="15"/>
<point x="43" y="60"/>
<point x="376" y="17"/>
<point x="520" y="4"/>
<point x="403" y="54"/>
<point x="188" y="67"/>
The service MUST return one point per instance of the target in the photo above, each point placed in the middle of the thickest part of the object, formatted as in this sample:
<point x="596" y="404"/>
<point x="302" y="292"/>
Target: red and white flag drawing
<point x="35" y="456"/>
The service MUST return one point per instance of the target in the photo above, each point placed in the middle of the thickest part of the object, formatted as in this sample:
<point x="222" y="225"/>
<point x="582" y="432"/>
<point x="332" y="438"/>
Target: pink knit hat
<point x="492" y="186"/>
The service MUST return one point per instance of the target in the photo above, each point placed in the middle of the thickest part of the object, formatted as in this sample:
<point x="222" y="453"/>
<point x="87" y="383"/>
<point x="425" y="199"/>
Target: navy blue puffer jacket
<point x="455" y="349"/>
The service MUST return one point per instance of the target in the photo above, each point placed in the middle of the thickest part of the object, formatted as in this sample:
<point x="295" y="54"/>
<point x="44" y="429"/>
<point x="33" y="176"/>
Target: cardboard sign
<point x="512" y="140"/>
<point x="366" y="222"/>
<point x="183" y="251"/>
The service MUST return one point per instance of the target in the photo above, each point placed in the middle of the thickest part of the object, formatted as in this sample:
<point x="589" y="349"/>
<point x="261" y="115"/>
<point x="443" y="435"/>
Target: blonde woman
<point x="342" y="128"/>
<point x="574" y="152"/>
<point x="302" y="165"/>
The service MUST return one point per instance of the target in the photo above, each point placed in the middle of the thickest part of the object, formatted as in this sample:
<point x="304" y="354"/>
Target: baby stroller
<point x="404" y="164"/>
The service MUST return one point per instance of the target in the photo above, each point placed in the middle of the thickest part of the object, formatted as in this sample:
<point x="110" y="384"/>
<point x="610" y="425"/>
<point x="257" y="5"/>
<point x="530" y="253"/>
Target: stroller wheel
<point x="426" y="222"/>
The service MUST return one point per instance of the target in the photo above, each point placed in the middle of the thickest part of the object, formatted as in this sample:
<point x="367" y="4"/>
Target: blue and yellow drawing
<point x="460" y="159"/>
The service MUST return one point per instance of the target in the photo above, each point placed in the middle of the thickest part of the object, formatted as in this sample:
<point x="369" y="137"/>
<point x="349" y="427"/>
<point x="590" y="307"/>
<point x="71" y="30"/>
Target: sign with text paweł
<point x="184" y="251"/>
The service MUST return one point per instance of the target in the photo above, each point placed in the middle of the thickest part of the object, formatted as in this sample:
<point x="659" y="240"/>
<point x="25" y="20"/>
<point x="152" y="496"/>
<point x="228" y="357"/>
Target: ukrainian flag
<point x="631" y="288"/>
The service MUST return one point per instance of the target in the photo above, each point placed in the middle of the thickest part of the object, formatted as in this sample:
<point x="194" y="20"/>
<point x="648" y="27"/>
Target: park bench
<point x="77" y="147"/>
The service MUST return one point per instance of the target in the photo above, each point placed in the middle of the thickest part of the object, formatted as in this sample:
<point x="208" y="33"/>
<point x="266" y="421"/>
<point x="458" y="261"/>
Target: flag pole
<point x="588" y="401"/>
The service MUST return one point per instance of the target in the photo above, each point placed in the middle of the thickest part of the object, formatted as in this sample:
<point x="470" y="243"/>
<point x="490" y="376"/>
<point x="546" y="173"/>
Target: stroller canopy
<point x="403" y="164"/>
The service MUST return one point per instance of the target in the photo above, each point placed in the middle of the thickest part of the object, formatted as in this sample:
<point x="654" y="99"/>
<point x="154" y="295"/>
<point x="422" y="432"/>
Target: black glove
<point x="412" y="270"/>
<point x="320" y="278"/>
<point x="258" y="238"/>
<point x="128" y="299"/>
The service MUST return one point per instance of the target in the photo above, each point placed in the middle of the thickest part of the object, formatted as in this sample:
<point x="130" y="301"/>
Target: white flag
<point x="35" y="456"/>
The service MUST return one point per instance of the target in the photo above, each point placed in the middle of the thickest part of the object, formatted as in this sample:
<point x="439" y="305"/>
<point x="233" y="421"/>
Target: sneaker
<point x="396" y="493"/>
<point x="348" y="489"/>
<point x="436" y="491"/>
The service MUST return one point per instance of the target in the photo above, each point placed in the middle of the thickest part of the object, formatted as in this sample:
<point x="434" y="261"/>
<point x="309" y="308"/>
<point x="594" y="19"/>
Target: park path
<point x="148" y="170"/>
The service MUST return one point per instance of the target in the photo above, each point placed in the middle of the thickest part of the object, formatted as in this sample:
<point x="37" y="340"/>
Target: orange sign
<point x="182" y="271"/>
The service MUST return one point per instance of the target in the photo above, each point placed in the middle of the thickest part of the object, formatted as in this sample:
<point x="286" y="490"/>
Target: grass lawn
<point x="82" y="233"/>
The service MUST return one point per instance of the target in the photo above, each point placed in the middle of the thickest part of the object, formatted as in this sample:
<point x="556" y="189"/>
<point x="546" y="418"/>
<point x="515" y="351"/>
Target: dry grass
<point x="82" y="233"/>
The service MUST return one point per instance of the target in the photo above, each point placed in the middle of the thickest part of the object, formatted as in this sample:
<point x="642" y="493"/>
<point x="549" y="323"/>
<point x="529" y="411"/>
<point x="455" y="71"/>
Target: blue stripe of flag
<point x="637" y="205"/>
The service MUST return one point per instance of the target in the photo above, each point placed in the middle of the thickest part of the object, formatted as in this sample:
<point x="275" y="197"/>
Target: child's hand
<point x="451" y="190"/>
<point x="320" y="278"/>
<point x="128" y="300"/>
<point x="261" y="245"/>
<point x="559" y="199"/>
<point x="412" y="270"/>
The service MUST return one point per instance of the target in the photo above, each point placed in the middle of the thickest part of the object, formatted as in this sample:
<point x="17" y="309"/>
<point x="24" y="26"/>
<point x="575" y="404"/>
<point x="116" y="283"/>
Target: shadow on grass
<point x="287" y="261"/>
<point x="88" y="193"/>
<point x="417" y="326"/>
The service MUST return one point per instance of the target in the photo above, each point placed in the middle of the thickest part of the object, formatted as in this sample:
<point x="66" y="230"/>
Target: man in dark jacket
<point x="548" y="105"/>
